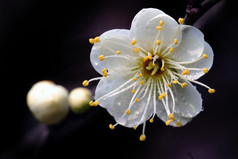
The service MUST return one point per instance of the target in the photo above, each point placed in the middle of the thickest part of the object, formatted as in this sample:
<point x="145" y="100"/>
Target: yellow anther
<point x="158" y="42"/>
<point x="128" y="111"/>
<point x="169" y="85"/>
<point x="205" y="70"/>
<point x="134" y="127"/>
<point x="101" y="57"/>
<point x="171" y="117"/>
<point x="211" y="91"/>
<point x="171" y="49"/>
<point x="175" y="41"/>
<point x="161" y="96"/>
<point x="142" y="82"/>
<point x="140" y="74"/>
<point x="136" y="49"/>
<point x="104" y="74"/>
<point x="151" y="120"/>
<point x="91" y="103"/>
<point x="175" y="82"/>
<point x="161" y="22"/>
<point x="161" y="69"/>
<point x="142" y="137"/>
<point x="105" y="69"/>
<point x="186" y="72"/>
<point x="133" y="91"/>
<point x="159" y="28"/>
<point x="96" y="39"/>
<point x="183" y="85"/>
<point x="181" y="20"/>
<point x="96" y="103"/>
<point x="179" y="124"/>
<point x="168" y="122"/>
<point x="147" y="58"/>
<point x="137" y="100"/>
<point x="133" y="42"/>
<point x="111" y="126"/>
<point x="118" y="52"/>
<point x="134" y="79"/>
<point x="85" y="83"/>
<point x="91" y="40"/>
<point x="205" y="56"/>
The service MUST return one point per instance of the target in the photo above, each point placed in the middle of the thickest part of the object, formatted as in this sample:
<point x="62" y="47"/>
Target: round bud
<point x="48" y="102"/>
<point x="79" y="99"/>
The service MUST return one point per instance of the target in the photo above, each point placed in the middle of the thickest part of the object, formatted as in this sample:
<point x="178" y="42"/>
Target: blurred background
<point x="48" y="40"/>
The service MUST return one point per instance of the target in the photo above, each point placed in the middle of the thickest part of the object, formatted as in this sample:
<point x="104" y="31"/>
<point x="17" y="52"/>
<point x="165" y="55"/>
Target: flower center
<point x="153" y="66"/>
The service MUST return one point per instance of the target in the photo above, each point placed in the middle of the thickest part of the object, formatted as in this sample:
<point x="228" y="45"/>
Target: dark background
<point x="49" y="40"/>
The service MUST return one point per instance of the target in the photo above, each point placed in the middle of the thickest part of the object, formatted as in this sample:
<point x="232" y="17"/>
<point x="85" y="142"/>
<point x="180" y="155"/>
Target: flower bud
<point x="48" y="102"/>
<point x="78" y="99"/>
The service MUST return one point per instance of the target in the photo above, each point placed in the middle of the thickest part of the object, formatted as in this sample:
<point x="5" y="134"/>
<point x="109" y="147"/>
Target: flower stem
<point x="196" y="8"/>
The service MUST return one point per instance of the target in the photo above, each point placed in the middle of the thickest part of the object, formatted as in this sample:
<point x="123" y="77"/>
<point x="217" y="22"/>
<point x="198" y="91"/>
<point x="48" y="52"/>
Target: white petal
<point x="110" y="42"/>
<point x="117" y="105"/>
<point x="139" y="26"/>
<point x="203" y="63"/>
<point x="162" y="114"/>
<point x="191" y="46"/>
<point x="188" y="101"/>
<point x="167" y="34"/>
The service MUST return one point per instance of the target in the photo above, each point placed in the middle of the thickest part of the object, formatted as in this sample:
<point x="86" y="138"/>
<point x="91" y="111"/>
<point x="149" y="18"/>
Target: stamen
<point x="186" y="72"/>
<point x="85" y="83"/>
<point x="112" y="127"/>
<point x="161" y="22"/>
<point x="136" y="49"/>
<point x="158" y="28"/>
<point x="175" y="41"/>
<point x="128" y="112"/>
<point x="101" y="57"/>
<point x="158" y="42"/>
<point x="104" y="72"/>
<point x="134" y="79"/>
<point x="183" y="85"/>
<point x="161" y="96"/>
<point x="181" y="20"/>
<point x="133" y="42"/>
<point x="205" y="70"/>
<point x="91" y="41"/>
<point x="118" y="52"/>
<point x="96" y="39"/>
<point x="134" y="127"/>
<point x="171" y="49"/>
<point x="179" y="124"/>
<point x="133" y="91"/>
<point x="211" y="91"/>
<point x="141" y="82"/>
<point x="171" y="117"/>
<point x="143" y="137"/>
<point x="137" y="100"/>
<point x="205" y="56"/>
<point x="151" y="120"/>
<point x="162" y="67"/>
<point x="175" y="82"/>
<point x="140" y="74"/>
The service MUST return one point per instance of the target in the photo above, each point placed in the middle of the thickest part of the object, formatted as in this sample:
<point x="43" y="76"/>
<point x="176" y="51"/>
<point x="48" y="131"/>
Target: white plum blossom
<point x="148" y="70"/>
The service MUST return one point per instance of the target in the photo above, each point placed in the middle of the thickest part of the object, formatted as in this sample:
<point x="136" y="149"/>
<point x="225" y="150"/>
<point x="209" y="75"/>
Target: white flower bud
<point x="48" y="102"/>
<point x="79" y="99"/>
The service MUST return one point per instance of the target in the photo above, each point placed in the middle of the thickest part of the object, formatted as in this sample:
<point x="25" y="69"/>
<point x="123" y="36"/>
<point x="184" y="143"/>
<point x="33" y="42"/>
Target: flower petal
<point x="110" y="42"/>
<point x="191" y="46"/>
<point x="117" y="105"/>
<point x="143" y="27"/>
<point x="188" y="101"/>
<point x="203" y="63"/>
